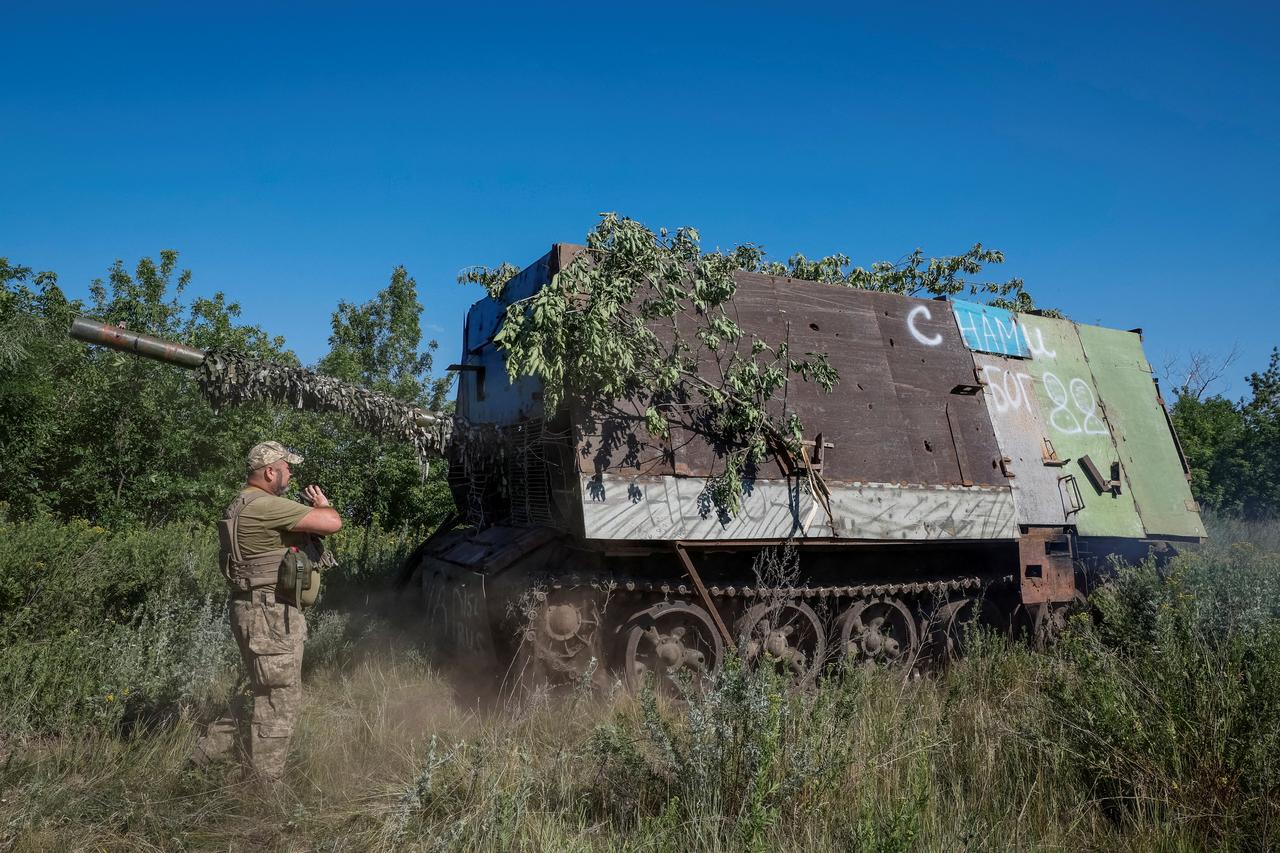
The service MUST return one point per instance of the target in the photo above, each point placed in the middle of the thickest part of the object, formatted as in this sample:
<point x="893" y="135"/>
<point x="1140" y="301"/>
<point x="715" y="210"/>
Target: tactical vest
<point x="241" y="573"/>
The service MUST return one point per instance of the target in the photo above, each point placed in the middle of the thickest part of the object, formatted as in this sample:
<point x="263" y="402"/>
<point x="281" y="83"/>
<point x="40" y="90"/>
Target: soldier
<point x="262" y="536"/>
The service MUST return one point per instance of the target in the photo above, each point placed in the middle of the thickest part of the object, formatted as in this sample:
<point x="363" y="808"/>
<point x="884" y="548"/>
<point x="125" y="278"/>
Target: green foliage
<point x="1155" y="728"/>
<point x="375" y="482"/>
<point x="631" y="319"/>
<point x="1211" y="432"/>
<point x="377" y="345"/>
<point x="643" y="322"/>
<point x="99" y="629"/>
<point x="1233" y="449"/>
<point x="1170" y="706"/>
<point x="93" y="433"/>
<point x="911" y="276"/>
<point x="492" y="279"/>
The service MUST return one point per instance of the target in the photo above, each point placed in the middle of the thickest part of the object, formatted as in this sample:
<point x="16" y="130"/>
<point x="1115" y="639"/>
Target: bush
<point x="102" y="628"/>
<point x="1170" y="705"/>
<point x="99" y="629"/>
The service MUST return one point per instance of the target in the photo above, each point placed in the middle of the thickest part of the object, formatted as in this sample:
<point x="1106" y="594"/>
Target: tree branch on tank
<point x="645" y="318"/>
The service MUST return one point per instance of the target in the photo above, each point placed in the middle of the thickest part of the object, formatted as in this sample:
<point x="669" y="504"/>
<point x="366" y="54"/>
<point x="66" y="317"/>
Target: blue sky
<point x="1123" y="156"/>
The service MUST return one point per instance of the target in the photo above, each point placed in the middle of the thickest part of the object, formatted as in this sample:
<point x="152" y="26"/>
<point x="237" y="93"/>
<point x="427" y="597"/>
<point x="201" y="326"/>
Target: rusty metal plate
<point x="619" y="443"/>
<point x="857" y="417"/>
<point x="1144" y="439"/>
<point x="1008" y="386"/>
<point x="893" y="418"/>
<point x="944" y="420"/>
<point x="1046" y="571"/>
<point x="905" y="414"/>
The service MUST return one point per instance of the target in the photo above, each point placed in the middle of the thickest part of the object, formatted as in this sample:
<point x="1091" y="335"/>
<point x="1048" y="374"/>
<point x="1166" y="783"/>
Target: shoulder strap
<point x="232" y="519"/>
<point x="240" y="572"/>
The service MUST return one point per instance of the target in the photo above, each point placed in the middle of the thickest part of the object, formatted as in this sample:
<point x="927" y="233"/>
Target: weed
<point x="1155" y="725"/>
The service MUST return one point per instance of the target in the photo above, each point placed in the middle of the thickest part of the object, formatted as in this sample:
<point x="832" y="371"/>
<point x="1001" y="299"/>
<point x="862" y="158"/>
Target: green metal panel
<point x="1076" y="423"/>
<point x="1147" y="452"/>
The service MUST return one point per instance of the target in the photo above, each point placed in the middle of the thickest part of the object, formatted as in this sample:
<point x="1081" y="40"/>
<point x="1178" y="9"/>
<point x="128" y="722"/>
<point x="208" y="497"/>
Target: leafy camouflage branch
<point x="641" y="317"/>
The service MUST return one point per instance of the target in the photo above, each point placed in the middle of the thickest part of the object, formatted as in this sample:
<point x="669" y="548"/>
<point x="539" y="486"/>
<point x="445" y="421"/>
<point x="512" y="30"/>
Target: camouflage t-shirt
<point x="264" y="524"/>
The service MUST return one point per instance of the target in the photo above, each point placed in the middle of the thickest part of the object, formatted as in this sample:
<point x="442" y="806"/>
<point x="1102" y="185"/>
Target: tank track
<point x="582" y="625"/>
<point x="936" y="587"/>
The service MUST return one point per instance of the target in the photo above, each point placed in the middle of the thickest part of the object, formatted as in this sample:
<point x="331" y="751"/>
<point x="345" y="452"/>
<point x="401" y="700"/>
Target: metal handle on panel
<point x="1078" y="503"/>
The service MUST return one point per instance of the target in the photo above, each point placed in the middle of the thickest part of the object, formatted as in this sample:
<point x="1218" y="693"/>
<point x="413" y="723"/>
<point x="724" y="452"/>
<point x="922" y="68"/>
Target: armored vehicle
<point x="975" y="465"/>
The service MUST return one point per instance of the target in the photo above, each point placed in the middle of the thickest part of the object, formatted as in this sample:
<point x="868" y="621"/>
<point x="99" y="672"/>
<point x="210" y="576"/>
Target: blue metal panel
<point x="486" y="315"/>
<point x="487" y="395"/>
<point x="988" y="329"/>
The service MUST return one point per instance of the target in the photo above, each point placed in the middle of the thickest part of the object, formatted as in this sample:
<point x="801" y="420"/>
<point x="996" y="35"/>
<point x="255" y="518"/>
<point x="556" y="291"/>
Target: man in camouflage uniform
<point x="258" y="529"/>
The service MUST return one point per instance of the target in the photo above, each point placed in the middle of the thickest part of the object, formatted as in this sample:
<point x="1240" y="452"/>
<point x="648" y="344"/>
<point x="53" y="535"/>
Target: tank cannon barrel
<point x="227" y="377"/>
<point x="96" y="332"/>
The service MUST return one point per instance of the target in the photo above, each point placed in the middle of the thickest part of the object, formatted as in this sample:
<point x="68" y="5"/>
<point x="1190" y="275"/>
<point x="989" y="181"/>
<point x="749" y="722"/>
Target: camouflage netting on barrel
<point x="228" y="378"/>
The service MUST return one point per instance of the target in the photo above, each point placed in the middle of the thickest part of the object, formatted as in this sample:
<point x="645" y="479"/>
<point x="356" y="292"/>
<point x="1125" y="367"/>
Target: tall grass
<point x="107" y="629"/>
<point x="1153" y="725"/>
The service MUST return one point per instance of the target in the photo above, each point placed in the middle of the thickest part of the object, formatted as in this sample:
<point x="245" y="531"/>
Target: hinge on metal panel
<point x="1005" y="467"/>
<point x="1111" y="485"/>
<point x="1049" y="455"/>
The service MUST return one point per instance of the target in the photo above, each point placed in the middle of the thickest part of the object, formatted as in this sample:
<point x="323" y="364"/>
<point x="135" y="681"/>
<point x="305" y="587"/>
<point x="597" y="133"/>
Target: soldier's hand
<point x="314" y="496"/>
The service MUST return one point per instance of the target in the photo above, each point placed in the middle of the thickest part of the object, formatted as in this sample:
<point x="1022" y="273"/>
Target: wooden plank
<point x="706" y="597"/>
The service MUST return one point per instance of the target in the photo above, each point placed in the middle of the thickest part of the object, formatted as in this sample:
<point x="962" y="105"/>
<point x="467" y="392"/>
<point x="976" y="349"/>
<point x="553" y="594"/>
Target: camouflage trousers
<point x="270" y="635"/>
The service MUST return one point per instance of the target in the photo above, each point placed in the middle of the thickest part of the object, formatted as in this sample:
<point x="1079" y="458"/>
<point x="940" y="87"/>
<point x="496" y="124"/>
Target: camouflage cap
<point x="267" y="452"/>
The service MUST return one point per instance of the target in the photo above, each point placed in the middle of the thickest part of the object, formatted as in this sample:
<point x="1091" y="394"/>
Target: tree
<point x="1261" y="450"/>
<point x="1211" y="431"/>
<point x="913" y="275"/>
<point x="99" y="434"/>
<point x="378" y="344"/>
<point x="1233" y="448"/>
<point x="103" y="435"/>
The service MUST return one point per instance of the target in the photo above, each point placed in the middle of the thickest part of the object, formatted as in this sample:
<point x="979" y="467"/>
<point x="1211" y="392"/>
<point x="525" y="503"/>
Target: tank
<point x="975" y="465"/>
<point x="979" y="465"/>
